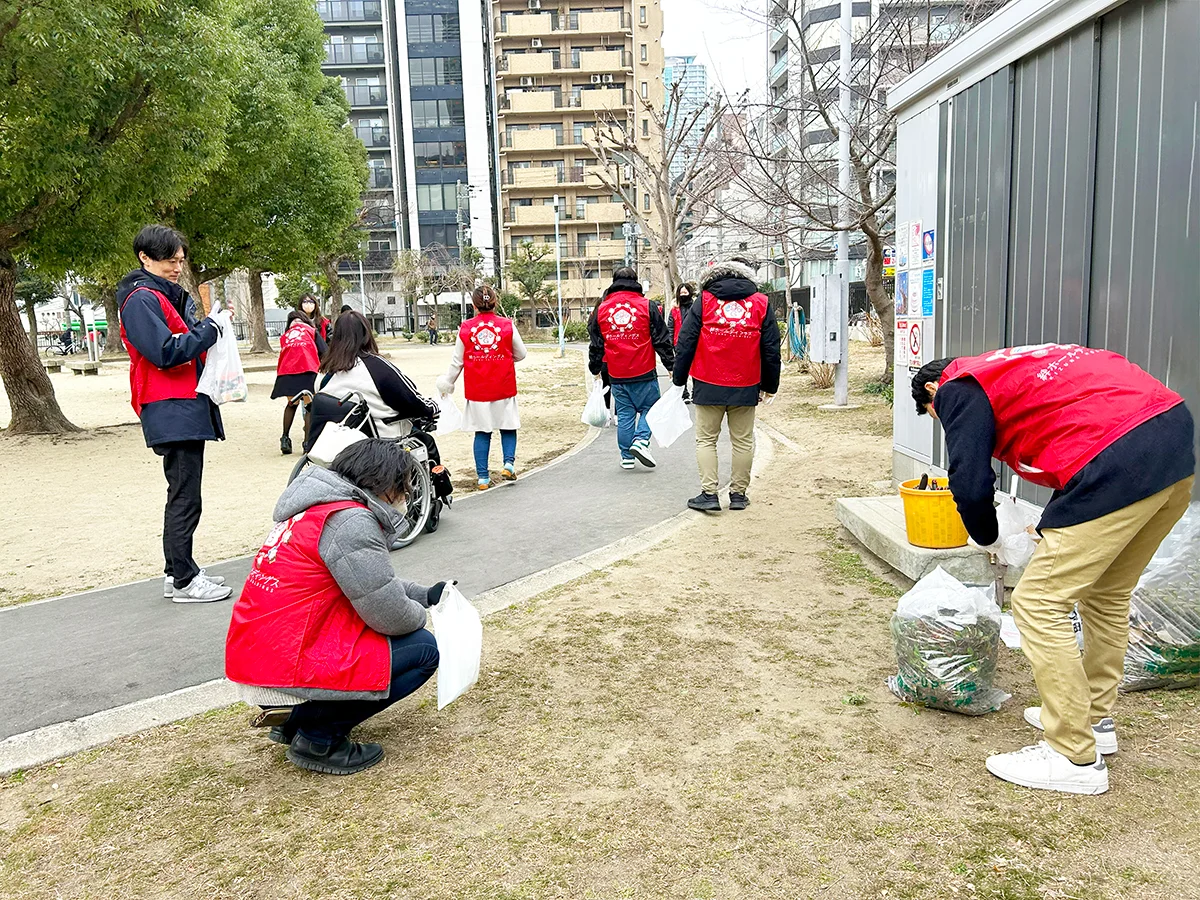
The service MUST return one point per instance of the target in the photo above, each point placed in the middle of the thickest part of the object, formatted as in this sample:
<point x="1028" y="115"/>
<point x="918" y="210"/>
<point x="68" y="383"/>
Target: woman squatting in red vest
<point x="485" y="354"/>
<point x="1115" y="446"/>
<point x="300" y="351"/>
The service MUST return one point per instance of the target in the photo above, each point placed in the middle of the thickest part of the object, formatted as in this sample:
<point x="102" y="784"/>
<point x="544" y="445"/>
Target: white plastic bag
<point x="333" y="439"/>
<point x="459" y="633"/>
<point x="1018" y="538"/>
<point x="668" y="418"/>
<point x="595" y="413"/>
<point x="449" y="419"/>
<point x="223" y="378"/>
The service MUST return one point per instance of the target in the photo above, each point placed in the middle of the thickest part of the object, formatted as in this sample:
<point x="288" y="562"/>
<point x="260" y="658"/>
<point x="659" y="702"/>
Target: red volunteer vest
<point x="728" y="352"/>
<point x="676" y="324"/>
<point x="1057" y="406"/>
<point x="293" y="627"/>
<point x="147" y="382"/>
<point x="489" y="372"/>
<point x="624" y="320"/>
<point x="298" y="350"/>
<point x="326" y="327"/>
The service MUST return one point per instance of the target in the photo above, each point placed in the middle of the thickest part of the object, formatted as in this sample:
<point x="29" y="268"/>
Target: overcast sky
<point x="723" y="37"/>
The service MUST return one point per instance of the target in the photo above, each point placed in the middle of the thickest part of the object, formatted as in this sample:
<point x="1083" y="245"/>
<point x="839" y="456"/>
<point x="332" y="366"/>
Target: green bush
<point x="879" y="389"/>
<point x="575" y="331"/>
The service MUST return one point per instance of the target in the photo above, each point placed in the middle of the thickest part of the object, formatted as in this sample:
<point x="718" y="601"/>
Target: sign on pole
<point x="825" y="339"/>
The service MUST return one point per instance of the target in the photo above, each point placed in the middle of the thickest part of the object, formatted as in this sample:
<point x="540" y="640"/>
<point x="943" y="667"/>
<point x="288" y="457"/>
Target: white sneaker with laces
<point x="641" y="449"/>
<point x="1105" y="730"/>
<point x="627" y="463"/>
<point x="1043" y="767"/>
<point x="169" y="583"/>
<point x="201" y="590"/>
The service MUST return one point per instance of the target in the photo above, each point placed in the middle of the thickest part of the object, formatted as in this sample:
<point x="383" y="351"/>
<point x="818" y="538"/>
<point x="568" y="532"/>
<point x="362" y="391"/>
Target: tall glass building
<point x="692" y="78"/>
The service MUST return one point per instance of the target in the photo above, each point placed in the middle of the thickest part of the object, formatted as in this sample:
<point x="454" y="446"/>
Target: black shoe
<point x="282" y="735"/>
<point x="342" y="757"/>
<point x="705" y="502"/>
<point x="285" y="445"/>
<point x="738" y="501"/>
<point x="687" y="397"/>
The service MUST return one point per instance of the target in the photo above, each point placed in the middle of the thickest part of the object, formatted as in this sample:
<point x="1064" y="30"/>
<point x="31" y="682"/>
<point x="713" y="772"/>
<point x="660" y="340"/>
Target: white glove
<point x="765" y="398"/>
<point x="444" y="385"/>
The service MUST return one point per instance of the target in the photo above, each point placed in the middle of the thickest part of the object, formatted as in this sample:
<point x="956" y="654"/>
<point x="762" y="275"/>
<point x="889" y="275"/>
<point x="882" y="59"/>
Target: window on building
<point x="437" y="197"/>
<point x="439" y="27"/>
<point x="645" y="90"/>
<point x="645" y="128"/>
<point x="379" y="246"/>
<point x="435" y="154"/>
<point x="645" y="53"/>
<point x="645" y="201"/>
<point x="445" y="234"/>
<point x="642" y="15"/>
<point x="437" y="113"/>
<point x="435" y="70"/>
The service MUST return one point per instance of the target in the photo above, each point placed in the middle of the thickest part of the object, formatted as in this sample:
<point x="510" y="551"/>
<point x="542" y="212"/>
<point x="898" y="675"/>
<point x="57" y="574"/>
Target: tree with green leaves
<point x="109" y="109"/>
<point x="529" y="267"/>
<point x="32" y="290"/>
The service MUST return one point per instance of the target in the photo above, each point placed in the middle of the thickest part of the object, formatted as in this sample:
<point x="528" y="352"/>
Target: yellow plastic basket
<point x="930" y="517"/>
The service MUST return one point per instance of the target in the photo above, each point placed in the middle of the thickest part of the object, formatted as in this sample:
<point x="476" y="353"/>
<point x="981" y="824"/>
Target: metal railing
<point x="354" y="54"/>
<point x="365" y="94"/>
<point x="380" y="177"/>
<point x="576" y="61"/>
<point x="507" y="140"/>
<point x="567" y="22"/>
<point x="350" y="10"/>
<point x="374" y="135"/>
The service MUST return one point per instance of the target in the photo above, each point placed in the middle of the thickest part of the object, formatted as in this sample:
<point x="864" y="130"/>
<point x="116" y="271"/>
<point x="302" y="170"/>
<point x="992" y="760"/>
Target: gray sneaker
<point x="201" y="590"/>
<point x="169" y="583"/>
<point x="1105" y="730"/>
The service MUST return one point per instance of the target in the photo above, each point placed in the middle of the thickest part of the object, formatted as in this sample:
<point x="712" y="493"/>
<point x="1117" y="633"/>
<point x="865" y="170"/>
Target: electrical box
<point x="830" y="296"/>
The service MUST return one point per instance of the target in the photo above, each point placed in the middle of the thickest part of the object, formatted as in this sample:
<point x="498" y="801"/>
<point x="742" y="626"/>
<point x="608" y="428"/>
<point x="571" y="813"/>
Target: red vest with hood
<point x="728" y="352"/>
<point x="624" y="320"/>
<point x="147" y="382"/>
<point x="677" y="315"/>
<point x="1057" y="406"/>
<point x="298" y="350"/>
<point x="489" y="371"/>
<point x="293" y="627"/>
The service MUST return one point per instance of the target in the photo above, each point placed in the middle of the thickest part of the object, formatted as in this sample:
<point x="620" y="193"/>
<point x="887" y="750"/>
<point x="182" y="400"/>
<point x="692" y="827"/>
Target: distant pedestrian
<point x="166" y="342"/>
<point x="311" y="307"/>
<point x="626" y="331"/>
<point x="684" y="296"/>
<point x="488" y="346"/>
<point x="431" y="327"/>
<point x="729" y="344"/>
<point x="300" y="352"/>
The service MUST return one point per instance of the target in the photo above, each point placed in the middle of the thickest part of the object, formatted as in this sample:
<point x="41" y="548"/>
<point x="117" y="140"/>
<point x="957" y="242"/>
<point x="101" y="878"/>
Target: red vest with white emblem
<point x="624" y="320"/>
<point x="298" y="350"/>
<point x="488" y="369"/>
<point x="147" y="382"/>
<point x="728" y="351"/>
<point x="293" y="627"/>
<point x="1057" y="406"/>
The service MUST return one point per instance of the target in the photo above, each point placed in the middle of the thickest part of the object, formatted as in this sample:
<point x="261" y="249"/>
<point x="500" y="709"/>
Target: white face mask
<point x="400" y="506"/>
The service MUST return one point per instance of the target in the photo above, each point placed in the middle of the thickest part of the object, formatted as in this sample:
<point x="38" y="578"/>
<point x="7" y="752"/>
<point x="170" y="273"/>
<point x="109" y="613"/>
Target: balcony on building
<point x="604" y="212"/>
<point x="606" y="22"/>
<point x="778" y="68"/>
<point x="373" y="135"/>
<point x="517" y="64"/>
<point x="531" y="139"/>
<point x="380" y="177"/>
<point x="601" y="60"/>
<point x="602" y="98"/>
<point x="369" y="54"/>
<point x="362" y="96"/>
<point x="336" y="11"/>
<point x="530" y="24"/>
<point x="530" y="101"/>
<point x="530" y="215"/>
<point x="551" y="176"/>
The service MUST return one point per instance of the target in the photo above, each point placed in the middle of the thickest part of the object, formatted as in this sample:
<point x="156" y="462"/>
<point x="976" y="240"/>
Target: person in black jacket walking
<point x="166" y="342"/>
<point x="729" y="344"/>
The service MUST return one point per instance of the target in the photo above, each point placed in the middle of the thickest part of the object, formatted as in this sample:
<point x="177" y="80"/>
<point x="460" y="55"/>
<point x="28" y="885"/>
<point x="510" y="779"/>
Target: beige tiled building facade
<point x="559" y="66"/>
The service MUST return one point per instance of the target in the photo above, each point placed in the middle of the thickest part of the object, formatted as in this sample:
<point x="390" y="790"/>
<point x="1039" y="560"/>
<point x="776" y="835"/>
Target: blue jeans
<point x="633" y="400"/>
<point x="483" y="446"/>
<point x="414" y="659"/>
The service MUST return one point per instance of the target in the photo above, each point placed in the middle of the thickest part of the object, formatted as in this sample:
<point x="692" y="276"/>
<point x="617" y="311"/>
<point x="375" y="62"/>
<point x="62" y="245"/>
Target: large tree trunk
<point x="113" y="345"/>
<point x="31" y="315"/>
<point x="259" y="342"/>
<point x="187" y="278"/>
<point x="30" y="393"/>
<point x="880" y="301"/>
<point x="330" y="268"/>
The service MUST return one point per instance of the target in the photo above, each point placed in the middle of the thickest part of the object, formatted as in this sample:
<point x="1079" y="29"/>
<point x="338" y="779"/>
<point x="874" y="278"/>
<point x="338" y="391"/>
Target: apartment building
<point x="415" y="74"/>
<point x="560" y="67"/>
<point x="692" y="78"/>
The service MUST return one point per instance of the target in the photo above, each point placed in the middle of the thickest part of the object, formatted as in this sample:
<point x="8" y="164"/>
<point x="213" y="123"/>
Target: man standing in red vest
<point x="166" y="344"/>
<point x="626" y="331"/>
<point x="1116" y="447"/>
<point x="729" y="344"/>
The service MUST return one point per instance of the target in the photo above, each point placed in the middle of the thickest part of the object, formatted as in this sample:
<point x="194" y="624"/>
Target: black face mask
<point x="685" y="297"/>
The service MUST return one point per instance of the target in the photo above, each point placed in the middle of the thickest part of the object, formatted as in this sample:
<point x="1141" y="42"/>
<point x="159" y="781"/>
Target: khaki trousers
<point x="1094" y="564"/>
<point x="741" y="436"/>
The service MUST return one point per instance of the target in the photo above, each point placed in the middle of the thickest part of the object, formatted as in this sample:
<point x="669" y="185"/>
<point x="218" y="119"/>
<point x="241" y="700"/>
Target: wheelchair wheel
<point x="435" y="517"/>
<point x="420" y="505"/>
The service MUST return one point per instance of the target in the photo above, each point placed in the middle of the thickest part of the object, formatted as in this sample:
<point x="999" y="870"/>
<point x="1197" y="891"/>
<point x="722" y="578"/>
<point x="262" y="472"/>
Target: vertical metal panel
<point x="1052" y="184"/>
<point x="1145" y="298"/>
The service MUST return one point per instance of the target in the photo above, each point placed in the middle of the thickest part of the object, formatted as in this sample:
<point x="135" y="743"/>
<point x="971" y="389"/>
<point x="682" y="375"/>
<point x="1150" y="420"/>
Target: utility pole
<point x="562" y="342"/>
<point x="841" y="379"/>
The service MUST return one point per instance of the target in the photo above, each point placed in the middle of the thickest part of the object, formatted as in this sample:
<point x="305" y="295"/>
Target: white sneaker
<point x="201" y="590"/>
<point x="169" y="583"/>
<point x="627" y="463"/>
<point x="1043" y="767"/>
<point x="1105" y="730"/>
<point x="641" y="449"/>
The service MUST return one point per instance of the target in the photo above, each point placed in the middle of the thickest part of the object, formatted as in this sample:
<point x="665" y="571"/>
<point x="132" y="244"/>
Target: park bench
<point x="85" y="368"/>
<point x="52" y="365"/>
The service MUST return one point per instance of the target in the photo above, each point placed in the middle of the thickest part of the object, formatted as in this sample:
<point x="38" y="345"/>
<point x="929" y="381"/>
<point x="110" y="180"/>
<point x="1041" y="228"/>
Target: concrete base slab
<point x="833" y="407"/>
<point x="878" y="524"/>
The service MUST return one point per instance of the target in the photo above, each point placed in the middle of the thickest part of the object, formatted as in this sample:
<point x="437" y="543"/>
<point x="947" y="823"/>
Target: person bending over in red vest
<point x="729" y="344"/>
<point x="166" y="344"/>
<point x="626" y="331"/>
<point x="1116" y="448"/>
<point x="485" y="353"/>
<point x="325" y="634"/>
<point x="300" y="350"/>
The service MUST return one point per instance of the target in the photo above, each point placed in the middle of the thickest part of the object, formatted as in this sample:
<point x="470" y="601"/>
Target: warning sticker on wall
<point x="916" y="344"/>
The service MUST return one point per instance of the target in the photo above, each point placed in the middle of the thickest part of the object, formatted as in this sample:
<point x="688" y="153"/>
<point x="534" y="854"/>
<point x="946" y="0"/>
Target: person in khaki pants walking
<point x="729" y="345"/>
<point x="1117" y="448"/>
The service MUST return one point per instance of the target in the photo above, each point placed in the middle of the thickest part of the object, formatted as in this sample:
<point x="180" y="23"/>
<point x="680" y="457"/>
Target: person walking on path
<point x="683" y="302"/>
<point x="729" y="345"/>
<point x="300" y="352"/>
<point x="626" y="331"/>
<point x="487" y="348"/>
<point x="431" y="326"/>
<point x="325" y="634"/>
<point x="1116" y="447"/>
<point x="311" y="307"/>
<point x="166" y="343"/>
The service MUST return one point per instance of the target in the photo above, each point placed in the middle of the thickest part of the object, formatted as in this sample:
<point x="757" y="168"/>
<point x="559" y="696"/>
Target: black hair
<point x="317" y="317"/>
<point x="377" y="465"/>
<point x="689" y="287"/>
<point x="159" y="242"/>
<point x="931" y="371"/>
<point x="351" y="339"/>
<point x="625" y="273"/>
<point x="296" y="314"/>
<point x="346" y="308"/>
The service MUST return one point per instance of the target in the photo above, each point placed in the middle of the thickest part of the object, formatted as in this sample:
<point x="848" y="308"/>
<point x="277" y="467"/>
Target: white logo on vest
<point x="622" y="318"/>
<point x="485" y="338"/>
<point x="734" y="314"/>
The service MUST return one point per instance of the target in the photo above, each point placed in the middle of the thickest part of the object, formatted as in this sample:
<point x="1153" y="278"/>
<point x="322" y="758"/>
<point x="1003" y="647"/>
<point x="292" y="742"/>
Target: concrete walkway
<point x="73" y="656"/>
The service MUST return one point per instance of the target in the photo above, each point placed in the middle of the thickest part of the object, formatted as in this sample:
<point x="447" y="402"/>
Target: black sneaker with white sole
<point x="342" y="757"/>
<point x="705" y="502"/>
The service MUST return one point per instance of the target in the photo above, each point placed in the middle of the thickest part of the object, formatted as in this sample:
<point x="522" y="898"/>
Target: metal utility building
<point x="1048" y="191"/>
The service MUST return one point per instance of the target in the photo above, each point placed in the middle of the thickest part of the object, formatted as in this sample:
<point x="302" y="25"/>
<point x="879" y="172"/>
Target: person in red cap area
<point x="626" y="331"/>
<point x="166" y="344"/>
<point x="300" y="350"/>
<point x="1116" y="447"/>
<point x="729" y="344"/>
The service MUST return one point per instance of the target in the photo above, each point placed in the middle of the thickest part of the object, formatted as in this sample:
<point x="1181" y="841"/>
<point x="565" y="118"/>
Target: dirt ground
<point x="705" y="720"/>
<point x="86" y="511"/>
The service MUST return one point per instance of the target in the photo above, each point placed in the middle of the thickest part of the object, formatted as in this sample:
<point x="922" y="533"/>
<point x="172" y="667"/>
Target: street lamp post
<point x="562" y="343"/>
